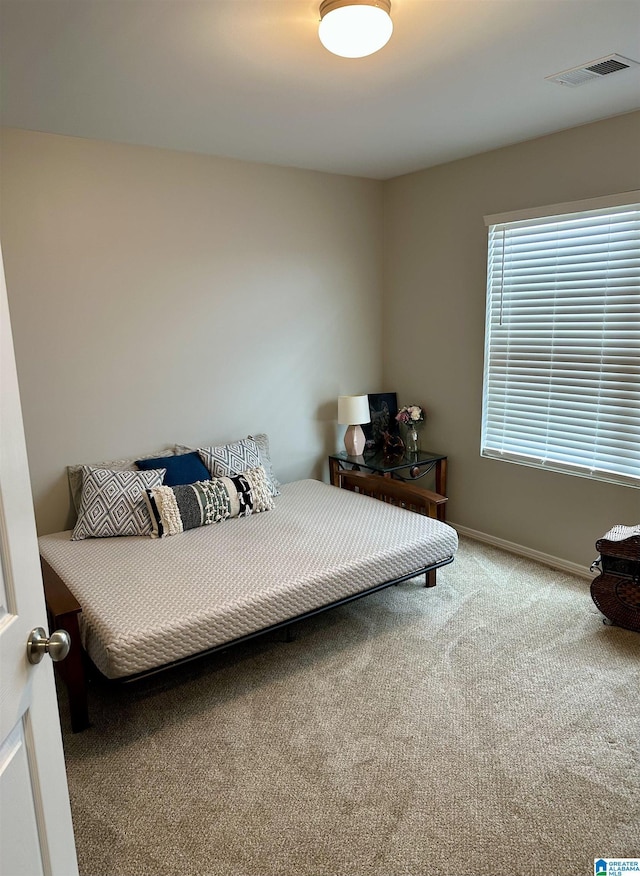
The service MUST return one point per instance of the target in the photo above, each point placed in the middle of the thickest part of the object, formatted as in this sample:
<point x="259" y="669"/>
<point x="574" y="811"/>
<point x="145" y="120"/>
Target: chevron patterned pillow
<point x="113" y="502"/>
<point x="75" y="474"/>
<point x="226" y="460"/>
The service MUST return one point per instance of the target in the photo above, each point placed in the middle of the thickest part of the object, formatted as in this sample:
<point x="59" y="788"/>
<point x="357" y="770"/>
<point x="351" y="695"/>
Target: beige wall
<point x="435" y="276"/>
<point x="160" y="297"/>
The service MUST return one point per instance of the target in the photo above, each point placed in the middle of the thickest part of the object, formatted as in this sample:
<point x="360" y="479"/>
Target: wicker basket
<point x="616" y="590"/>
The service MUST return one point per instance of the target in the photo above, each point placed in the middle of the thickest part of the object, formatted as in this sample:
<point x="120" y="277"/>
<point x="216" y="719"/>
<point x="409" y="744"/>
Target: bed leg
<point x="430" y="578"/>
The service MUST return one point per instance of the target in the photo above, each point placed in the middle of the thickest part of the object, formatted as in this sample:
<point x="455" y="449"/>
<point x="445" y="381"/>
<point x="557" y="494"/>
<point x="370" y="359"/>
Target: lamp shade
<point x="355" y="28"/>
<point x="353" y="410"/>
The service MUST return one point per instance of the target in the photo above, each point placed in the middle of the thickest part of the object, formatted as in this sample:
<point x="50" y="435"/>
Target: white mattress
<point x="146" y="602"/>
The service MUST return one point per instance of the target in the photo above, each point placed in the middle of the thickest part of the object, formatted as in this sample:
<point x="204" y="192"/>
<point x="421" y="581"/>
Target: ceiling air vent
<point x="593" y="70"/>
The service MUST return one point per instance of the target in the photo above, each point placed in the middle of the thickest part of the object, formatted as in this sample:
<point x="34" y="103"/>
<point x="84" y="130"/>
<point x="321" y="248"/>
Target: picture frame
<point x="383" y="407"/>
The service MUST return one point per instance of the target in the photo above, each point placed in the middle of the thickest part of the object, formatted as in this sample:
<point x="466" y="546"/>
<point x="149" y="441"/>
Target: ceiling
<point x="249" y="78"/>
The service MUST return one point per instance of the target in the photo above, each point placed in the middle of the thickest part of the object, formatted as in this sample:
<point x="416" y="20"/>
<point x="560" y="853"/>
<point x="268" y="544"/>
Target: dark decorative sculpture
<point x="392" y="446"/>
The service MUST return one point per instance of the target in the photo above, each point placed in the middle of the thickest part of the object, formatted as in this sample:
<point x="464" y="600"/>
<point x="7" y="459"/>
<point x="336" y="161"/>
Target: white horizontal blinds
<point x="562" y="358"/>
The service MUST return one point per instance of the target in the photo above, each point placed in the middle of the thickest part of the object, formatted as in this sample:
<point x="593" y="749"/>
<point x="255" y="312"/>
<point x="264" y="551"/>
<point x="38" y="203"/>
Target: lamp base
<point x="354" y="440"/>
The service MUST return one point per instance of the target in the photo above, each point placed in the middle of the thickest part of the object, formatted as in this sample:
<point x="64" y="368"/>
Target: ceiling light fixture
<point x="355" y="28"/>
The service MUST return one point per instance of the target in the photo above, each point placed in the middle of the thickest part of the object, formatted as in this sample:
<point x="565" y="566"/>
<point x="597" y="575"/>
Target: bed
<point x="136" y="605"/>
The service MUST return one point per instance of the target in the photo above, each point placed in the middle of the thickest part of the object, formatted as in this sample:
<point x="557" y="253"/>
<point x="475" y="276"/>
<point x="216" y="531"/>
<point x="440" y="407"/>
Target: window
<point x="562" y="349"/>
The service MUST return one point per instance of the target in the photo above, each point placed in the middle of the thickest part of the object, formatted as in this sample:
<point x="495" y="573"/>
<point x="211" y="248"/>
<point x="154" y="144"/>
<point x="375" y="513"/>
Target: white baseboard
<point x="521" y="550"/>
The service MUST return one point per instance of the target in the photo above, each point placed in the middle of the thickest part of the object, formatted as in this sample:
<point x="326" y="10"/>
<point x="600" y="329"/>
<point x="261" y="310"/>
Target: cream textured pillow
<point x="187" y="506"/>
<point x="262" y="441"/>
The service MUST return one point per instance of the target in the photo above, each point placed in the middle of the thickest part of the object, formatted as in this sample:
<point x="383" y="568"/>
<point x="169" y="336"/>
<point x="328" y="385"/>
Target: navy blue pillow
<point x="184" y="469"/>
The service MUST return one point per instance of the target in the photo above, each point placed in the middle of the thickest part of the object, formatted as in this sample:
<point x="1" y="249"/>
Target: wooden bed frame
<point x="64" y="609"/>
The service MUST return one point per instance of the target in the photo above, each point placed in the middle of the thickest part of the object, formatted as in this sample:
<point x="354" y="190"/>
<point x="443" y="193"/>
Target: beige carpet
<point x="488" y="727"/>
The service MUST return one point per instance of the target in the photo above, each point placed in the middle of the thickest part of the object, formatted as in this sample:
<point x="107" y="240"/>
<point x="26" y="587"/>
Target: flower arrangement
<point x="410" y="415"/>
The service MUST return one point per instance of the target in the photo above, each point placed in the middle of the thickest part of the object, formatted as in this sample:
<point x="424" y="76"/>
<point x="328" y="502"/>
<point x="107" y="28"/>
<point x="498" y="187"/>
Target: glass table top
<point x="384" y="464"/>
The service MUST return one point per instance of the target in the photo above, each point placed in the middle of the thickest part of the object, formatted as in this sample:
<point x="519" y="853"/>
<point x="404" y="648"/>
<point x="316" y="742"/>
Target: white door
<point x="36" y="833"/>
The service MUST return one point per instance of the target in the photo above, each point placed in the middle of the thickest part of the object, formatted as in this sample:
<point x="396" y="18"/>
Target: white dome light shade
<point x="355" y="29"/>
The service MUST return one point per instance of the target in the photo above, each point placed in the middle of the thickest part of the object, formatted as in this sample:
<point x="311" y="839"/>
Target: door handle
<point x="57" y="646"/>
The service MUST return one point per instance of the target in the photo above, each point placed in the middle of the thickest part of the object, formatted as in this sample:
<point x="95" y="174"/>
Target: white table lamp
<point x="352" y="411"/>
